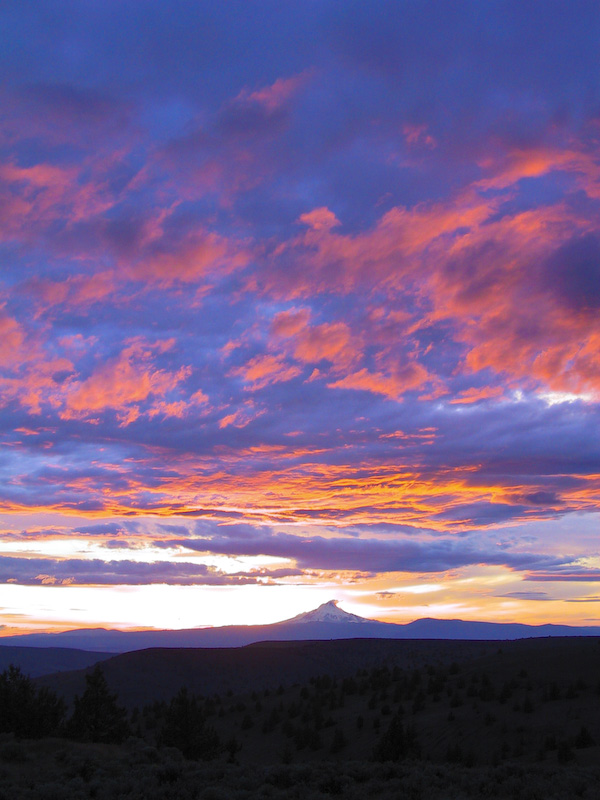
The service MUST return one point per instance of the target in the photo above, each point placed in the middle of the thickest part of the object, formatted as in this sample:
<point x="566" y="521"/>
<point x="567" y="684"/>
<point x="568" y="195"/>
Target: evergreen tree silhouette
<point x="185" y="728"/>
<point x="397" y="742"/>
<point x="97" y="717"/>
<point x="26" y="711"/>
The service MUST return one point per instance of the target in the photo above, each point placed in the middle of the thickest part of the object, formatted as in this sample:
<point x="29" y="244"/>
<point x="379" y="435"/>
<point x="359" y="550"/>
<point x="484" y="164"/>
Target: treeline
<point x="441" y="713"/>
<point x="25" y="710"/>
<point x="29" y="712"/>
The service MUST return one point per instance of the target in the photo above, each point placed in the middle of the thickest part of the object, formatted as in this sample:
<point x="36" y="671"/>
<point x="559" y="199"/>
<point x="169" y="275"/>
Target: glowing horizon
<point x="299" y="310"/>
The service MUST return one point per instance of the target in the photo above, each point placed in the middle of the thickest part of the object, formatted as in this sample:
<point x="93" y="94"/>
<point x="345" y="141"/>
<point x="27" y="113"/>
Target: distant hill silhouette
<point x="326" y="622"/>
<point x="51" y="659"/>
<point x="143" y="676"/>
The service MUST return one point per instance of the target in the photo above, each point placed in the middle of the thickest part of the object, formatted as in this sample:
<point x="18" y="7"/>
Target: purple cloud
<point x="55" y="572"/>
<point x="373" y="555"/>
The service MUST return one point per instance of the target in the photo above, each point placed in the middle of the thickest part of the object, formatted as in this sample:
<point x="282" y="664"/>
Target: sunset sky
<point x="299" y="301"/>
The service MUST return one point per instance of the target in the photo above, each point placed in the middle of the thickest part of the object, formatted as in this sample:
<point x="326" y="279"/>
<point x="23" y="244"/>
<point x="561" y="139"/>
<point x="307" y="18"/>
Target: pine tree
<point x="26" y="711"/>
<point x="97" y="717"/>
<point x="397" y="742"/>
<point x="185" y="728"/>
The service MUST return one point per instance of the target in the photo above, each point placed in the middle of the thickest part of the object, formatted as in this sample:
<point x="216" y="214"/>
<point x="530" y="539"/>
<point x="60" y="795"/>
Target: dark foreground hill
<point x="324" y="623"/>
<point x="34" y="662"/>
<point x="143" y="676"/>
<point x="55" y="769"/>
<point x="353" y="719"/>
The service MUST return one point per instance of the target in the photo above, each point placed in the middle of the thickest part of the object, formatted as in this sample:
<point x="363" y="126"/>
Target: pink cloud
<point x="264" y="370"/>
<point x="464" y="265"/>
<point x="33" y="197"/>
<point x="201" y="254"/>
<point x="12" y="340"/>
<point x="289" y="323"/>
<point x="332" y="341"/>
<point x="242" y="416"/>
<point x="321" y="219"/>
<point x="277" y="94"/>
<point x="413" y="376"/>
<point x="124" y="383"/>
<point x="474" y="394"/>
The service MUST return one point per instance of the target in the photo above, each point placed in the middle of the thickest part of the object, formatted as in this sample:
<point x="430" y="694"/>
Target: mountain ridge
<point x="327" y="621"/>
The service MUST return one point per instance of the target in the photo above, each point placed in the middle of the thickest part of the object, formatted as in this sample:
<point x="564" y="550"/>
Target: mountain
<point x="329" y="612"/>
<point x="429" y="628"/>
<point x="326" y="622"/>
<point x="50" y="660"/>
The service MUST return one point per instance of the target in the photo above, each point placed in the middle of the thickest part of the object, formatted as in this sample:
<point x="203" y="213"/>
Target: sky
<point x="299" y="301"/>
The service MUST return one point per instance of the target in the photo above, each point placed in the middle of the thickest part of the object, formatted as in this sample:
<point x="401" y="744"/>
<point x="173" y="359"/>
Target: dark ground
<point x="353" y="719"/>
<point x="58" y="770"/>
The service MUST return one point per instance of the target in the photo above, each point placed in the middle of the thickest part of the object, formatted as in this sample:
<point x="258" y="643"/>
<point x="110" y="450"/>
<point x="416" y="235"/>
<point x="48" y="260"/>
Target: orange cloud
<point x="321" y="219"/>
<point x="418" y="135"/>
<point x="413" y="376"/>
<point x="28" y="371"/>
<point x="202" y="254"/>
<point x="264" y="370"/>
<point x="291" y="322"/>
<point x="465" y="266"/>
<point x="34" y="196"/>
<point x="123" y="384"/>
<point x="277" y="94"/>
<point x="242" y="416"/>
<point x="331" y="341"/>
<point x="474" y="394"/>
<point x="535" y="162"/>
<point x="12" y="340"/>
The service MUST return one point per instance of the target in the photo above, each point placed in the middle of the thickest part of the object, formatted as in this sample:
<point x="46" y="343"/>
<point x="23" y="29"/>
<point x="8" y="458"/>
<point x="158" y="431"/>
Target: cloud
<point x="95" y="572"/>
<point x="576" y="576"/>
<point x="263" y="370"/>
<point x="126" y="382"/>
<point x="573" y="274"/>
<point x="541" y="596"/>
<point x="413" y="376"/>
<point x="276" y="95"/>
<point x="592" y="599"/>
<point x="373" y="555"/>
<point x="260" y="274"/>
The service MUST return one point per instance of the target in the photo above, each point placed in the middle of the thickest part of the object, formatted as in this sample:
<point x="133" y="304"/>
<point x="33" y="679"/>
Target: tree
<point x="397" y="742"/>
<point x="97" y="717"/>
<point x="185" y="728"/>
<point x="25" y="710"/>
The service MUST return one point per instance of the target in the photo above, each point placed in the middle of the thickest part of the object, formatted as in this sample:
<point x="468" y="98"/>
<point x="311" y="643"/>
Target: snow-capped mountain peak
<point x="328" y="612"/>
